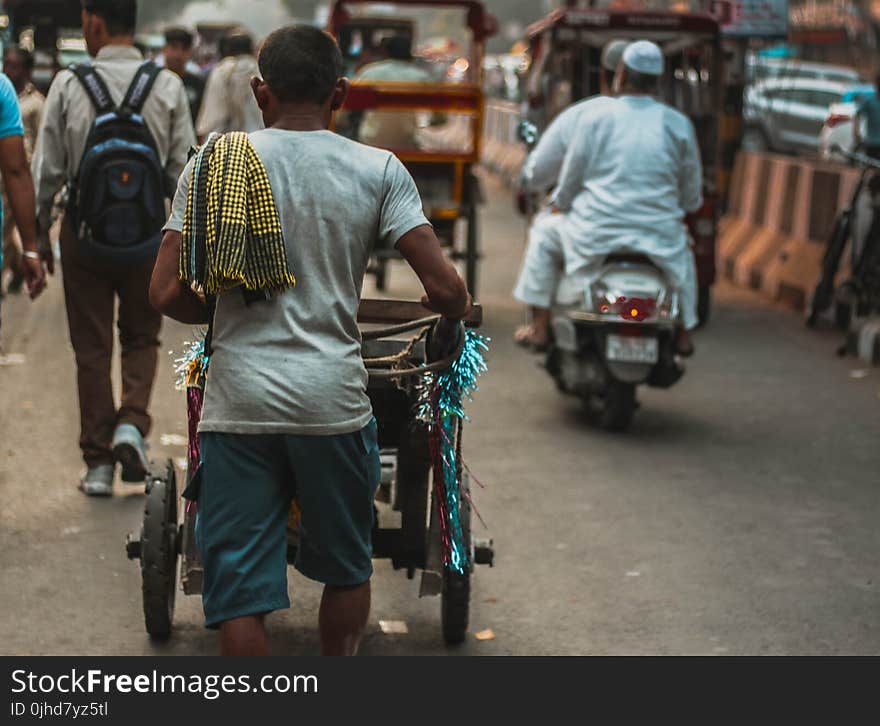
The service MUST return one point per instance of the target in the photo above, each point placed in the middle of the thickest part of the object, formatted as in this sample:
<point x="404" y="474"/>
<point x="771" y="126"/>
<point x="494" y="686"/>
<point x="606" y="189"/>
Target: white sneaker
<point x="129" y="450"/>
<point x="98" y="481"/>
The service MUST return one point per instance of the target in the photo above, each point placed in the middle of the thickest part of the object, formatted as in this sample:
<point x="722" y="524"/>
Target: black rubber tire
<point x="456" y="593"/>
<point x="617" y="406"/>
<point x="159" y="554"/>
<point x="842" y="315"/>
<point x="704" y="305"/>
<point x="455" y="604"/>
<point x="472" y="251"/>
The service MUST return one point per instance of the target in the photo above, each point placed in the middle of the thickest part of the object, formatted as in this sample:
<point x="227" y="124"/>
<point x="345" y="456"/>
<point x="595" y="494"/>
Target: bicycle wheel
<point x="823" y="295"/>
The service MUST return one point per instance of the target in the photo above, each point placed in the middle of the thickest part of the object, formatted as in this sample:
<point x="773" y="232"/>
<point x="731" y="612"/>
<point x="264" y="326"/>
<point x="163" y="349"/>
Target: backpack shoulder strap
<point x="94" y="87"/>
<point x="140" y="87"/>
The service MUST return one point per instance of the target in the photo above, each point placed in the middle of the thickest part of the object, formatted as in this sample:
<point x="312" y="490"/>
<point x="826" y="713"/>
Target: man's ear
<point x="261" y="92"/>
<point x="340" y="93"/>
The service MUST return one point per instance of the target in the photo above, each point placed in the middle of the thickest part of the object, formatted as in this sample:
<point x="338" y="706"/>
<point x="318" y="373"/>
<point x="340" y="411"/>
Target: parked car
<point x="788" y="114"/>
<point x="761" y="69"/>
<point x="839" y="128"/>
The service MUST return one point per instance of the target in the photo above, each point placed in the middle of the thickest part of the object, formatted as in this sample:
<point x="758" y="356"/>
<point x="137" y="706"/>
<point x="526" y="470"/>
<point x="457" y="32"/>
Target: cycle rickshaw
<point x="398" y="356"/>
<point x="441" y="112"/>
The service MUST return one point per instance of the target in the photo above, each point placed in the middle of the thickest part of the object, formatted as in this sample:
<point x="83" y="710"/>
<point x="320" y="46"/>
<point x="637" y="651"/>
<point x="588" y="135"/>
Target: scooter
<point x="613" y="333"/>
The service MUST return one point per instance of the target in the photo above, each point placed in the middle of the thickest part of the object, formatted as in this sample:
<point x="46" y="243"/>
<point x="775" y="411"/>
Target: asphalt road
<point x="739" y="515"/>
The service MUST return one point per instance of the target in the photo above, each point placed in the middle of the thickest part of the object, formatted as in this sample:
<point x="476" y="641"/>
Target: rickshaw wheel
<point x="159" y="553"/>
<point x="456" y="592"/>
<point x="472" y="253"/>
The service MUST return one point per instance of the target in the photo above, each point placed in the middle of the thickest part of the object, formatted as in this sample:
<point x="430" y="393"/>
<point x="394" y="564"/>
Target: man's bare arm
<point x="445" y="291"/>
<point x="168" y="294"/>
<point x="20" y="190"/>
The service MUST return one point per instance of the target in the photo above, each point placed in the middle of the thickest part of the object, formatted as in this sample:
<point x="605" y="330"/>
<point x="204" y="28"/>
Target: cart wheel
<point x="456" y="593"/>
<point x="159" y="553"/>
<point x="472" y="253"/>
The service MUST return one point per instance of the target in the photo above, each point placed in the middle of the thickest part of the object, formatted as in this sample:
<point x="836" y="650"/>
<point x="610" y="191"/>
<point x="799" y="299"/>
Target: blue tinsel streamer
<point x="453" y="387"/>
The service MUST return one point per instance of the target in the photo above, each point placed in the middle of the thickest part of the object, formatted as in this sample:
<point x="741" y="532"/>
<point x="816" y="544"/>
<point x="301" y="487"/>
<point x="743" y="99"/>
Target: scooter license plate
<point x="627" y="349"/>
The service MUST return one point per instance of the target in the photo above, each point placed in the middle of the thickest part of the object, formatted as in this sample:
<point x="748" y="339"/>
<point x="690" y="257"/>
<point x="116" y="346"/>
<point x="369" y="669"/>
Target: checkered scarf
<point x="231" y="232"/>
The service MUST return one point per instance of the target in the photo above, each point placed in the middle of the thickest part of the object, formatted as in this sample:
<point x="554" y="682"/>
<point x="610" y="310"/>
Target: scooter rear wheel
<point x="613" y="409"/>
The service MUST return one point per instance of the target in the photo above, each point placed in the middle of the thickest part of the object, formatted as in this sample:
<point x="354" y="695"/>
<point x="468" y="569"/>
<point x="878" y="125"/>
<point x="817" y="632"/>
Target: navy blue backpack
<point x="118" y="197"/>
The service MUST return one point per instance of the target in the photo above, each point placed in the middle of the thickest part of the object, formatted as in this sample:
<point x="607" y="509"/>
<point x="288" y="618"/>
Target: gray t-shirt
<point x="293" y="364"/>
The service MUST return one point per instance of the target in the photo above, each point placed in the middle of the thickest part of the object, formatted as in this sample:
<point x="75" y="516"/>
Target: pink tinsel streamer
<point x="194" y="399"/>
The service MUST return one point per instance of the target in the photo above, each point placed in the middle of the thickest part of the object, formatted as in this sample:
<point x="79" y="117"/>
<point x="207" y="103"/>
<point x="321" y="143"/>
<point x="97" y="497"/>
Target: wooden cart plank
<point x="392" y="312"/>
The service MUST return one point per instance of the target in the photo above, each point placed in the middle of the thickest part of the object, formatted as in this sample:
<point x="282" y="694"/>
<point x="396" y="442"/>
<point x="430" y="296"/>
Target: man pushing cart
<point x="268" y="242"/>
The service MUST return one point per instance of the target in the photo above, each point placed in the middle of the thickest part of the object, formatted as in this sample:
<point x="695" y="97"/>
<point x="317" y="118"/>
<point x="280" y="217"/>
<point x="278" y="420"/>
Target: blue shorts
<point x="244" y="490"/>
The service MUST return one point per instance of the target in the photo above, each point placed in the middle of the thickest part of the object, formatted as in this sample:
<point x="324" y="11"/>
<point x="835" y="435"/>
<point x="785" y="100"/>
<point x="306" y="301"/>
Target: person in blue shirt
<point x="19" y="186"/>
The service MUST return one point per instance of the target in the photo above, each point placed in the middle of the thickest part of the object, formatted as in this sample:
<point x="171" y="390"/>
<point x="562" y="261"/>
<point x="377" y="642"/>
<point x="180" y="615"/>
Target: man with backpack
<point x="118" y="133"/>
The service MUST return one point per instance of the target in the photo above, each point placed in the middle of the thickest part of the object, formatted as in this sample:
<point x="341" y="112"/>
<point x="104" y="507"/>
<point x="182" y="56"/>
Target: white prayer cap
<point x="645" y="57"/>
<point x="612" y="53"/>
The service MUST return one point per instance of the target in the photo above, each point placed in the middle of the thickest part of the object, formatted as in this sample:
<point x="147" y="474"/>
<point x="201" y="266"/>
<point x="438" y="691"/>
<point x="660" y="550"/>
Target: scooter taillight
<point x="636" y="309"/>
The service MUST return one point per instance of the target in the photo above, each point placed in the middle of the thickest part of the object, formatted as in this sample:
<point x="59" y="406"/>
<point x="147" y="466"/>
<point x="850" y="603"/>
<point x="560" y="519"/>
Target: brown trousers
<point x="90" y="290"/>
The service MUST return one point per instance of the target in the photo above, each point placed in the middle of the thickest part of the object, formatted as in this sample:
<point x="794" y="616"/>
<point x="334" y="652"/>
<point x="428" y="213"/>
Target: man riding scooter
<point x="540" y="173"/>
<point x="631" y="174"/>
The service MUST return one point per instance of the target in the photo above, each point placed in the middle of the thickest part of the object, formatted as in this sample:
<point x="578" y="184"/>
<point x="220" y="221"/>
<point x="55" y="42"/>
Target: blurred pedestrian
<point x="178" y="55"/>
<point x="392" y="129"/>
<point x="108" y="247"/>
<point x="19" y="186"/>
<point x="18" y="65"/>
<point x="229" y="103"/>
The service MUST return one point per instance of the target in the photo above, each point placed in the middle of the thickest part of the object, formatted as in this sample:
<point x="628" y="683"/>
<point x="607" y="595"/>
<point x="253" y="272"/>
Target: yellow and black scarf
<point x="231" y="231"/>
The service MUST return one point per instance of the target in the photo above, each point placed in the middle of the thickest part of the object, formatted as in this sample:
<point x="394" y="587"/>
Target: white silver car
<point x="839" y="128"/>
<point x="761" y="69"/>
<point x="788" y="114"/>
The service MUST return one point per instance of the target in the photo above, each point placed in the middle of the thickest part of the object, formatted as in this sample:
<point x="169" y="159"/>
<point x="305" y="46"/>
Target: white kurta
<point x="544" y="260"/>
<point x="630" y="175"/>
<point x="541" y="170"/>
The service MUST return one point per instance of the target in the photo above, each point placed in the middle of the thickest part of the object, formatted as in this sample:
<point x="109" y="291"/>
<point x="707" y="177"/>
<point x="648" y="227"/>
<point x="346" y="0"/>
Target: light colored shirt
<point x="69" y="114"/>
<point x="32" y="103"/>
<point x="632" y="172"/>
<point x="386" y="128"/>
<point x="293" y="364"/>
<point x="229" y="103"/>
<point x="541" y="169"/>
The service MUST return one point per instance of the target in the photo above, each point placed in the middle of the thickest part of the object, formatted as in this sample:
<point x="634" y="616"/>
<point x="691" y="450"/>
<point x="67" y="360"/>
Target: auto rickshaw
<point x="565" y="49"/>
<point x="433" y="119"/>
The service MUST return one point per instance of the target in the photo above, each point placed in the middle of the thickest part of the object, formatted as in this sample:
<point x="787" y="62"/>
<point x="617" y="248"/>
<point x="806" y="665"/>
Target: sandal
<point x="523" y="337"/>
